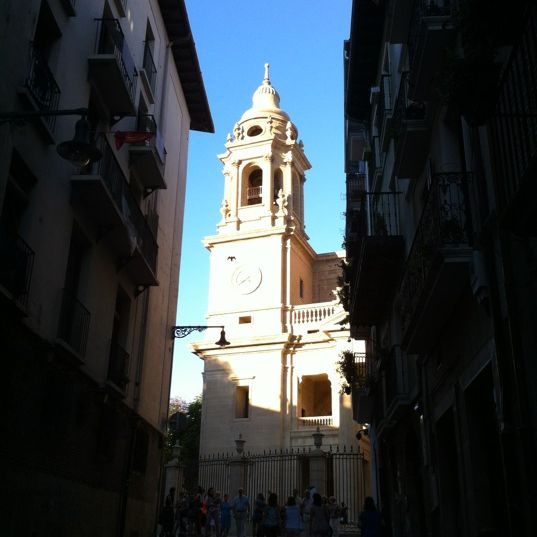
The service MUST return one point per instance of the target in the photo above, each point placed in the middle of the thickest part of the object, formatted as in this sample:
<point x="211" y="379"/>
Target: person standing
<point x="292" y="522"/>
<point x="369" y="520"/>
<point x="333" y="510"/>
<point x="225" y="516"/>
<point x="271" y="517"/>
<point x="240" y="507"/>
<point x="307" y="502"/>
<point x="319" y="518"/>
<point x="257" y="515"/>
<point x="212" y="501"/>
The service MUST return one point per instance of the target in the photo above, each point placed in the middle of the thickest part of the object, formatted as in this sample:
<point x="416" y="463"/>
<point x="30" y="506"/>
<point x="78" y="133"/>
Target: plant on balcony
<point x="347" y="369"/>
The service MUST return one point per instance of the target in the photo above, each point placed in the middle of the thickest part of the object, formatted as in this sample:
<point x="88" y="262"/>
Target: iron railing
<point x="118" y="365"/>
<point x="378" y="215"/>
<point x="149" y="66"/>
<point x="42" y="85"/>
<point x="111" y="40"/>
<point x="282" y="471"/>
<point x="114" y="179"/>
<point x="74" y="322"/>
<point x="356" y="185"/>
<point x="514" y="126"/>
<point x="425" y="9"/>
<point x="147" y="123"/>
<point x="384" y="105"/>
<point x="16" y="266"/>
<point x="254" y="192"/>
<point x="444" y="223"/>
<point x="405" y="108"/>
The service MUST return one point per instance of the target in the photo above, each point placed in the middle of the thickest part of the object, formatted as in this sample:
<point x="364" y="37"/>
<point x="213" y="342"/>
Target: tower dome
<point x="265" y="101"/>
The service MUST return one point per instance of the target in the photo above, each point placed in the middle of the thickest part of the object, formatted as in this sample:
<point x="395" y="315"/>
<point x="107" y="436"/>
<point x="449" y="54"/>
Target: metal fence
<point x="285" y="470"/>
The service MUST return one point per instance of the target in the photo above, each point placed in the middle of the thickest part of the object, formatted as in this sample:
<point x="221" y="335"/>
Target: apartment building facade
<point x="90" y="252"/>
<point x="440" y="239"/>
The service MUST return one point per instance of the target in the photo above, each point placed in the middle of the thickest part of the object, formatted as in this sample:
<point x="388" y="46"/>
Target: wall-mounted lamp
<point x="239" y="444"/>
<point x="80" y="150"/>
<point x="183" y="331"/>
<point x="317" y="438"/>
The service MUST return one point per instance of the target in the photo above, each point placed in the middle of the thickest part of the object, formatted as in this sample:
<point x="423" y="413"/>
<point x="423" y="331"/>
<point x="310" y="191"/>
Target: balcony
<point x="431" y="32"/>
<point x="112" y="70"/>
<point x="118" y="366"/>
<point x="148" y="73"/>
<point x="514" y="134"/>
<point x="147" y="158"/>
<point x="413" y="133"/>
<point x="356" y="185"/>
<point x="436" y="269"/>
<point x="16" y="266"/>
<point x="310" y="317"/>
<point x="400" y="387"/>
<point x="367" y="367"/>
<point x="383" y="112"/>
<point x="315" y="421"/>
<point x="74" y="324"/>
<point x="377" y="257"/>
<point x="41" y="92"/>
<point x="254" y="194"/>
<point x="103" y="193"/>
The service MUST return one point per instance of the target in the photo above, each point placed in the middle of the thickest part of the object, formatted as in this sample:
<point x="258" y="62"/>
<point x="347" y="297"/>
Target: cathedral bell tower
<point x="262" y="217"/>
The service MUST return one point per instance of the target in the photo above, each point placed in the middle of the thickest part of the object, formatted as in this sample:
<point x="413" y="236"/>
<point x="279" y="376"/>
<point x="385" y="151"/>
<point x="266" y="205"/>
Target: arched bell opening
<point x="253" y="187"/>
<point x="278" y="183"/>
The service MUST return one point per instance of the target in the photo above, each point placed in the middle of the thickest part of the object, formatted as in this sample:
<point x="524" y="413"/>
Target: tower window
<point x="247" y="319"/>
<point x="242" y="401"/>
<point x="254" y="188"/>
<point x="256" y="130"/>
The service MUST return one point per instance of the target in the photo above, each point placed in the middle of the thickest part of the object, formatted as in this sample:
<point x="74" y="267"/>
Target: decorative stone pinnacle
<point x="267" y="79"/>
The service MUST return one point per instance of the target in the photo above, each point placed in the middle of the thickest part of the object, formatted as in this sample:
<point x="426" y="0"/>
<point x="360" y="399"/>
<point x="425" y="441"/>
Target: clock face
<point x="246" y="279"/>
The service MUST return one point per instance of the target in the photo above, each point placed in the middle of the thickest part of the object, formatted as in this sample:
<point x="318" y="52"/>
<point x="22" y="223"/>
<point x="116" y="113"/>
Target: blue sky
<point x="303" y="42"/>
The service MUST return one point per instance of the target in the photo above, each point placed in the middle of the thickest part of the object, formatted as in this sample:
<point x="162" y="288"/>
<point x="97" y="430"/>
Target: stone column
<point x="318" y="471"/>
<point x="237" y="475"/>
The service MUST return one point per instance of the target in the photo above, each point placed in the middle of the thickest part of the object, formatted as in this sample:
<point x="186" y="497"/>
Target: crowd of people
<point x="209" y="514"/>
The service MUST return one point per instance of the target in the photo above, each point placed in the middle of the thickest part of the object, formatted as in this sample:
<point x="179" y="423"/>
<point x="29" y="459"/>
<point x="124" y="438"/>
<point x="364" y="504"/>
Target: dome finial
<point x="267" y="79"/>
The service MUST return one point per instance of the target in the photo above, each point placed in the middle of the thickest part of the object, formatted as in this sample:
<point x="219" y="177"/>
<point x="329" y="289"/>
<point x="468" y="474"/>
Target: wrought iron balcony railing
<point x="444" y="224"/>
<point x="42" y="85"/>
<point x="515" y="123"/>
<point x="118" y="365"/>
<point x="405" y="108"/>
<point x="149" y="66"/>
<point x="378" y="215"/>
<point x="16" y="266"/>
<point x="74" y="322"/>
<point x="384" y="105"/>
<point x="147" y="123"/>
<point x="112" y="175"/>
<point x="111" y="40"/>
<point x="356" y="185"/>
<point x="425" y="9"/>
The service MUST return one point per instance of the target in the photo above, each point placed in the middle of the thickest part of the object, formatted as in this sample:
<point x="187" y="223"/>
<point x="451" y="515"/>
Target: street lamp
<point x="183" y="331"/>
<point x="80" y="150"/>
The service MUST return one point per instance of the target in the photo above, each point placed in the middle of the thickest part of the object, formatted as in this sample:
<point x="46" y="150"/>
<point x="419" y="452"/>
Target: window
<point x="141" y="448"/>
<point x="256" y="130"/>
<point x="301" y="288"/>
<point x="252" y="193"/>
<point x="242" y="401"/>
<point x="278" y="183"/>
<point x="247" y="319"/>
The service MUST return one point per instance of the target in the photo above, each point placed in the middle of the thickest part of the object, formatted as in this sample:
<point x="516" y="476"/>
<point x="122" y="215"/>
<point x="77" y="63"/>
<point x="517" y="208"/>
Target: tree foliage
<point x="188" y="435"/>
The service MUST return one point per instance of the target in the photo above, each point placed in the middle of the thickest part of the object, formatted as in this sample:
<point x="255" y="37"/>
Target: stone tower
<point x="274" y="294"/>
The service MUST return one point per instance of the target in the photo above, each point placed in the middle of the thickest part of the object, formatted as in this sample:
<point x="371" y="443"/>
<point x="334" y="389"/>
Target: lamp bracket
<point x="183" y="331"/>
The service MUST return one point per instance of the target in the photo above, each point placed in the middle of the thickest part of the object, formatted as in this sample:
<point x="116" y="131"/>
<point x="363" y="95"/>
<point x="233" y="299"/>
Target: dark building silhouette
<point x="441" y="240"/>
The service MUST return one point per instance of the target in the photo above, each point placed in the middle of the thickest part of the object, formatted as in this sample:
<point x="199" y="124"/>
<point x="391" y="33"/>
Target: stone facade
<point x="276" y="381"/>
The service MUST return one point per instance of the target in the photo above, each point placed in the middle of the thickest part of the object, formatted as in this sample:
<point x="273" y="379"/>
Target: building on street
<point x="90" y="242"/>
<point x="441" y="158"/>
